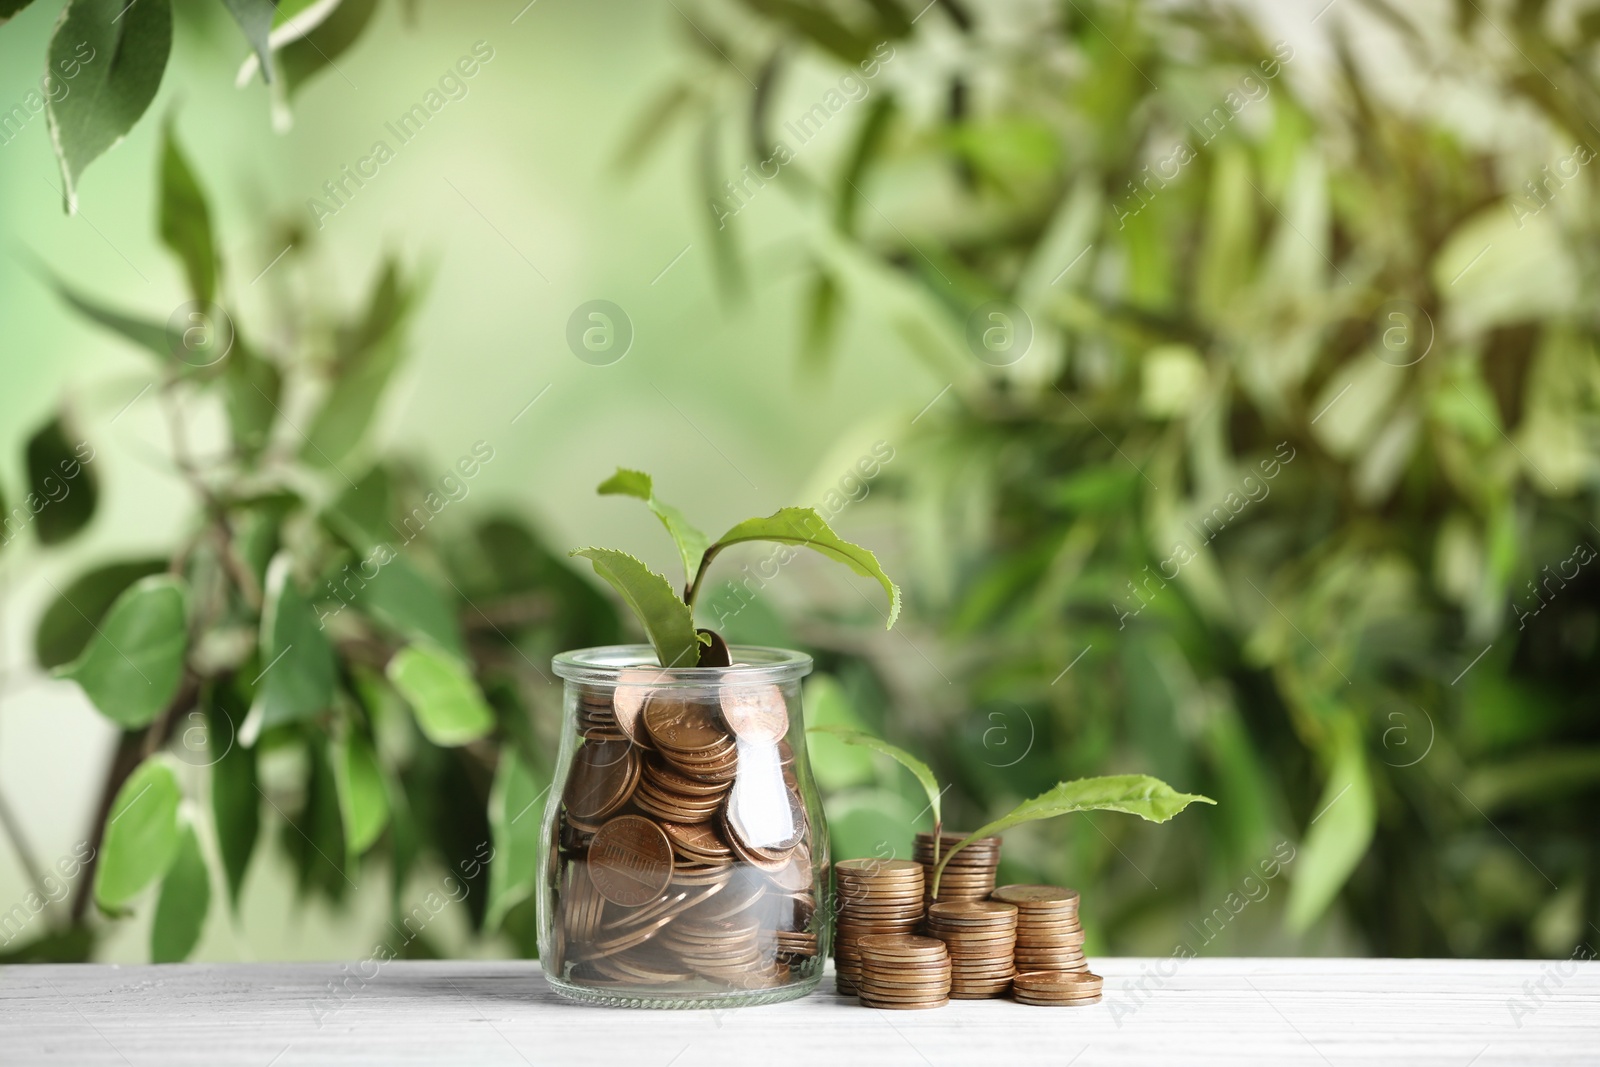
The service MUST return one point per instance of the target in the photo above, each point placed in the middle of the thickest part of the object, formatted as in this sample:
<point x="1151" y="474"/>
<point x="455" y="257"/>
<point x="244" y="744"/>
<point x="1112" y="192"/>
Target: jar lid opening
<point x="753" y="665"/>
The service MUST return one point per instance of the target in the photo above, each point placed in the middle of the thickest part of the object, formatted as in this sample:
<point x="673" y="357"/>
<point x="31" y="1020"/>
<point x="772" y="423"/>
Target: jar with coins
<point x="684" y="857"/>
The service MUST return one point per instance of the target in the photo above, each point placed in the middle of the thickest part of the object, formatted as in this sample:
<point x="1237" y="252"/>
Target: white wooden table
<point x="1325" y="1013"/>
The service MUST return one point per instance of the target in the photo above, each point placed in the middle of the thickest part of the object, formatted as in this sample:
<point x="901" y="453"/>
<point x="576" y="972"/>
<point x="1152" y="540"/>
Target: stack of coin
<point x="876" y="896"/>
<point x="970" y="873"/>
<point x="685" y="842"/>
<point x="903" y="971"/>
<point x="1056" y="988"/>
<point x="1049" y="937"/>
<point x="981" y="936"/>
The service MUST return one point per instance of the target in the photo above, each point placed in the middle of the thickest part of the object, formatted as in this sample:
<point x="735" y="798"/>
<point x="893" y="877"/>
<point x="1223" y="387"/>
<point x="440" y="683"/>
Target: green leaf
<point x="1339" y="835"/>
<point x="185" y="220"/>
<point x="70" y="620"/>
<point x="141" y="836"/>
<point x="127" y="46"/>
<point x="302" y="59"/>
<point x="148" y="335"/>
<point x="924" y="774"/>
<point x="403" y="600"/>
<point x="803" y="526"/>
<point x="9" y="8"/>
<point x="368" y="354"/>
<point x="692" y="544"/>
<point x="515" y="817"/>
<point x="255" y="19"/>
<point x="361" y="514"/>
<point x="235" y="794"/>
<point x="665" y="617"/>
<point x="251" y="388"/>
<point x="64" y="487"/>
<point x="185" y="899"/>
<point x="448" y="705"/>
<point x="132" y="668"/>
<point x="363" y="796"/>
<point x="297" y="665"/>
<point x="1133" y="794"/>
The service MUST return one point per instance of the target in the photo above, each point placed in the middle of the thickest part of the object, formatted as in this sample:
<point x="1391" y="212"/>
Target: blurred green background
<point x="1217" y="381"/>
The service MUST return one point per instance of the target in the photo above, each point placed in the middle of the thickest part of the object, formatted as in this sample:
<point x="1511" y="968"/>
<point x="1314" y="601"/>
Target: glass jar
<point x="684" y="858"/>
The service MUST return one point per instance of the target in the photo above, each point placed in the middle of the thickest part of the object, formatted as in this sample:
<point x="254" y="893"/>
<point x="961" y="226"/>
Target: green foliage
<point x="449" y="708"/>
<point x="665" y="617"/>
<point x="64" y="489"/>
<point x="141" y="834"/>
<point x="184" y="901"/>
<point x="133" y="666"/>
<point x="920" y="770"/>
<point x="669" y="620"/>
<point x="255" y="18"/>
<point x="1298" y="437"/>
<point x="304" y="622"/>
<point x="122" y="51"/>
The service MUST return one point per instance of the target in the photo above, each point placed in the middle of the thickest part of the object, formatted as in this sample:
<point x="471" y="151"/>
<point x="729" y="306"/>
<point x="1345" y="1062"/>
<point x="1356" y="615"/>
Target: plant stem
<point x="693" y="591"/>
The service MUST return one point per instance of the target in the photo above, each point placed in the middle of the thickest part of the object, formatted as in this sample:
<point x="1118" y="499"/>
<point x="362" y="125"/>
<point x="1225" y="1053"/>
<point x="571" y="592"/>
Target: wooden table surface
<point x="1325" y="1013"/>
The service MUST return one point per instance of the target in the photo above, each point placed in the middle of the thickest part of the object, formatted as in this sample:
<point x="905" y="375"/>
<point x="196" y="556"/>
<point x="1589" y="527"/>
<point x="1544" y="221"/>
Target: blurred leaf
<point x="652" y="125"/>
<point x="665" y="617"/>
<point x="363" y="797"/>
<point x="822" y="313"/>
<point x="1339" y="835"/>
<point x="515" y="818"/>
<point x="9" y="8"/>
<point x="920" y="770"/>
<point x="235" y="792"/>
<point x="368" y="356"/>
<point x="297" y="672"/>
<point x="133" y="667"/>
<point x="73" y="944"/>
<point x="1535" y="779"/>
<point x="1133" y="794"/>
<point x="141" y="835"/>
<point x="185" y="220"/>
<point x="361" y="514"/>
<point x="403" y="600"/>
<point x="1499" y="267"/>
<point x="255" y="19"/>
<point x="817" y="25"/>
<point x="803" y="526"/>
<point x="300" y="60"/>
<point x="448" y="705"/>
<point x="128" y="45"/>
<point x="64" y="485"/>
<point x="184" y="902"/>
<point x="314" y="837"/>
<point x="70" y="620"/>
<point x="148" y="335"/>
<point x="251" y="389"/>
<point x="692" y="544"/>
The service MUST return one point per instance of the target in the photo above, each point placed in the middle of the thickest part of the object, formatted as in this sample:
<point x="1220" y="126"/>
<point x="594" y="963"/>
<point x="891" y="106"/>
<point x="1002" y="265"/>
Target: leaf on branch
<point x="132" y="668"/>
<point x="924" y="774"/>
<point x="148" y="335"/>
<point x="185" y="899"/>
<point x="515" y="818"/>
<point x="235" y="794"/>
<point x="803" y="526"/>
<point x="363" y="796"/>
<point x="449" y="707"/>
<point x="1133" y="794"/>
<point x="120" y="50"/>
<point x="65" y="488"/>
<point x="297" y="665"/>
<point x="185" y="219"/>
<point x="316" y="50"/>
<point x="251" y="388"/>
<point x="69" y="622"/>
<point x="141" y="835"/>
<point x="1338" y="838"/>
<point x="9" y="8"/>
<point x="255" y="19"/>
<point x="665" y="617"/>
<point x="692" y="544"/>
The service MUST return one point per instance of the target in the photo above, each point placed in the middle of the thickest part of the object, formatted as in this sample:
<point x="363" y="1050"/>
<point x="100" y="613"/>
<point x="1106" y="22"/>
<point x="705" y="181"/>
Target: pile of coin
<point x="970" y="873"/>
<point x="1049" y="937"/>
<point x="684" y="841"/>
<point x="875" y="896"/>
<point x="981" y="936"/>
<point x="1056" y="988"/>
<point x="902" y="971"/>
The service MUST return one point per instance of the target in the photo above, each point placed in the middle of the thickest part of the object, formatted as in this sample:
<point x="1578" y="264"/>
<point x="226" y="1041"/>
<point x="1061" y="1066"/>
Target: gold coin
<point x="755" y="713"/>
<point x="1047" y="982"/>
<point x="630" y="861"/>
<point x="1037" y="895"/>
<point x="679" y="724"/>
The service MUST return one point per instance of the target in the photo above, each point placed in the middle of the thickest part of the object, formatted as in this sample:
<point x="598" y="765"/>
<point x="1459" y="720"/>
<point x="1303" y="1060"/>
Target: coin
<point x="604" y="774"/>
<point x="1037" y="896"/>
<point x="677" y="722"/>
<point x="634" y="687"/>
<point x="630" y="861"/>
<point x="756" y="713"/>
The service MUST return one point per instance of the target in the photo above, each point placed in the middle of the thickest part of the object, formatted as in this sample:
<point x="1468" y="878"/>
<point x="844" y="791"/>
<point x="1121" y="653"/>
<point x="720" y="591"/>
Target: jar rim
<point x="754" y="665"/>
